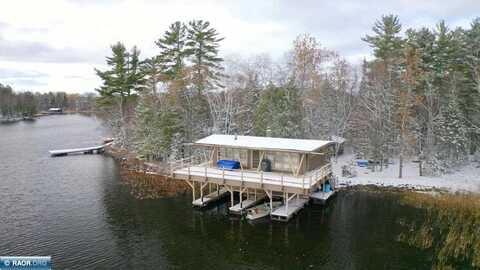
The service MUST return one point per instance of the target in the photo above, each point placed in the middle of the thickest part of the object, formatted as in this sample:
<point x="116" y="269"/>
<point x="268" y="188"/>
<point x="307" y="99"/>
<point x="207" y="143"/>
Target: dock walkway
<point x="321" y="196"/>
<point x="212" y="197"/>
<point x="240" y="208"/>
<point x="85" y="150"/>
<point x="286" y="212"/>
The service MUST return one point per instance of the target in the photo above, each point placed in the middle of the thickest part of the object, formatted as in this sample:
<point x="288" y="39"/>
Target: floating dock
<point x="242" y="206"/>
<point x="210" y="198"/>
<point x="86" y="150"/>
<point x="321" y="197"/>
<point x="287" y="211"/>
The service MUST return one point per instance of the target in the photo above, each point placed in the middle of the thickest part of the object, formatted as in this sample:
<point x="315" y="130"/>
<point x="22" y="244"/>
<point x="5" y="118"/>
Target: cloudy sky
<point x="53" y="45"/>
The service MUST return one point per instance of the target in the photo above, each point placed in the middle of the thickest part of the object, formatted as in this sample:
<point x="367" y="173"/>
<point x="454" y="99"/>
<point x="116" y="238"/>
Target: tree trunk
<point x="400" y="166"/>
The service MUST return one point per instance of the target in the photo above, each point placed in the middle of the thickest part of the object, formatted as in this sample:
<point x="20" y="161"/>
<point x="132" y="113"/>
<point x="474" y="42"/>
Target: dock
<point x="210" y="198"/>
<point x="321" y="197"/>
<point x="239" y="208"/>
<point x="86" y="150"/>
<point x="287" y="211"/>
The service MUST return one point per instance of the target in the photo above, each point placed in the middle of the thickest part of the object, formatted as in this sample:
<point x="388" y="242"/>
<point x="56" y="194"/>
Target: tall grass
<point x="450" y="229"/>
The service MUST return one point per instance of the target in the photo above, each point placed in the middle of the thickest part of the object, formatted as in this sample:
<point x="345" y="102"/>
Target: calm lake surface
<point x="77" y="210"/>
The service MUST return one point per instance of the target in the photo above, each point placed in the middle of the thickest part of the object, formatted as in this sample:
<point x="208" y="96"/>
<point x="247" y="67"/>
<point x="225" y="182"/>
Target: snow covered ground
<point x="466" y="179"/>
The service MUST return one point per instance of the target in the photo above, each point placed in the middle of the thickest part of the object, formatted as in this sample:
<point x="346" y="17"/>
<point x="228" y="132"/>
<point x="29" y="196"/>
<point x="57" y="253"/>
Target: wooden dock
<point x="210" y="198"/>
<point x="239" y="208"/>
<point x="86" y="150"/>
<point x="287" y="211"/>
<point x="321" y="197"/>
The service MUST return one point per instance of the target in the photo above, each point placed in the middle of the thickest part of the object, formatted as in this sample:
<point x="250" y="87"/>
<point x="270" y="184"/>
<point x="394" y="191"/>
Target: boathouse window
<point x="235" y="154"/>
<point x="282" y="161"/>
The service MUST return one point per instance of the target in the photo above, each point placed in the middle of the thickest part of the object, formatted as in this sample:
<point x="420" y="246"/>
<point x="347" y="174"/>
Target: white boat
<point x="261" y="210"/>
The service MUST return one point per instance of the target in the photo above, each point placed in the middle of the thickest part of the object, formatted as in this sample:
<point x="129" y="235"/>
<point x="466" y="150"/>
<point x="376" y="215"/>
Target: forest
<point x="418" y="97"/>
<point x="14" y="104"/>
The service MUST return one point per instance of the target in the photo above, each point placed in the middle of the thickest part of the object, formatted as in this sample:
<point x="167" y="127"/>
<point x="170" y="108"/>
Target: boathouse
<point x="256" y="167"/>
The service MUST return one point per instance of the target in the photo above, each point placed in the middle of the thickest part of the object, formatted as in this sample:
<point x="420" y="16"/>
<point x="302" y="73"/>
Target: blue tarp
<point x="362" y="163"/>
<point x="228" y="164"/>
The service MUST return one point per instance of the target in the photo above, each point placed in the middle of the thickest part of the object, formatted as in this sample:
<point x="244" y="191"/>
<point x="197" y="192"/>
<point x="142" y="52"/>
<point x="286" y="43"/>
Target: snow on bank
<point x="466" y="179"/>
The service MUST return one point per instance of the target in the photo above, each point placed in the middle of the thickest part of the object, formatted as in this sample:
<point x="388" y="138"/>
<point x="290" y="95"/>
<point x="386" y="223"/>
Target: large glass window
<point x="234" y="154"/>
<point x="283" y="161"/>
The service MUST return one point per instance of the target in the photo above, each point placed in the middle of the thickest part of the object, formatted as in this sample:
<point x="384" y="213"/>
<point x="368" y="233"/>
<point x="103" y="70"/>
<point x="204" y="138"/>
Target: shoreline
<point x="364" y="181"/>
<point x="7" y="121"/>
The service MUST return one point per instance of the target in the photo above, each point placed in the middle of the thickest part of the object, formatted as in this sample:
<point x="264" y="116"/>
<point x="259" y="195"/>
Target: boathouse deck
<point x="274" y="181"/>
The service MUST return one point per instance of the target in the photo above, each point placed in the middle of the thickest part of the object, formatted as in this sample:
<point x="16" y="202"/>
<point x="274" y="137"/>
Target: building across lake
<point x="257" y="167"/>
<point x="55" y="110"/>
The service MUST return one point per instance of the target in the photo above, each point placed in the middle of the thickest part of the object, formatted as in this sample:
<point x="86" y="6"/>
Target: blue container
<point x="362" y="163"/>
<point x="228" y="164"/>
<point x="327" y="187"/>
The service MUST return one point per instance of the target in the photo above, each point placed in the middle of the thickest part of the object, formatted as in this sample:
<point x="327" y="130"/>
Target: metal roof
<point x="263" y="143"/>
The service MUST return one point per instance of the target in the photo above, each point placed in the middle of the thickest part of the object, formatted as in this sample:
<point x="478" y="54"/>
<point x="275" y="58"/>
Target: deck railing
<point x="194" y="160"/>
<point x="303" y="181"/>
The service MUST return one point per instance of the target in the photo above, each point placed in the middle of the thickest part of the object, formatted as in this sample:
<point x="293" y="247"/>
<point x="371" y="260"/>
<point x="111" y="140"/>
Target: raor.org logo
<point x="25" y="262"/>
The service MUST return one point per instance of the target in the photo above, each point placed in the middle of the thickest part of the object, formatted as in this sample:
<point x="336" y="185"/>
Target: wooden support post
<point x="231" y="196"/>
<point x="281" y="178"/>
<point x="241" y="199"/>
<point x="218" y="190"/>
<point x="271" y="201"/>
<point x="260" y="158"/>
<point x="192" y="185"/>
<point x="261" y="179"/>
<point x="223" y="175"/>
<point x="286" y="203"/>
<point x="300" y="165"/>
<point x="202" y="186"/>
<point x="255" y="195"/>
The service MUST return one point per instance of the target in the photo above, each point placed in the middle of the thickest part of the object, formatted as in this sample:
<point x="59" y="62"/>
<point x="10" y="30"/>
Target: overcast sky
<point x="53" y="45"/>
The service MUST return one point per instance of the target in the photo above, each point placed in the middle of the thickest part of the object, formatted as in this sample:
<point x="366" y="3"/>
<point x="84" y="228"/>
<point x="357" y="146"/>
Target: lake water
<point x="77" y="210"/>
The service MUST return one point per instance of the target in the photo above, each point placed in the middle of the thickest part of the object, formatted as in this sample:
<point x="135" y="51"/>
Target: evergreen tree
<point x="120" y="84"/>
<point x="173" y="50"/>
<point x="451" y="132"/>
<point x="279" y="112"/>
<point x="387" y="43"/>
<point x="203" y="42"/>
<point x="469" y="93"/>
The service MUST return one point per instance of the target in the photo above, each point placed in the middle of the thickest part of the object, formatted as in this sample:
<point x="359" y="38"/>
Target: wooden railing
<point x="303" y="181"/>
<point x="194" y="160"/>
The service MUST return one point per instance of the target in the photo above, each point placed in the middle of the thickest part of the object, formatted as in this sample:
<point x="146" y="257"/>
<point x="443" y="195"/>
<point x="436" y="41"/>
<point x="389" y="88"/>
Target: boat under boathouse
<point x="257" y="168"/>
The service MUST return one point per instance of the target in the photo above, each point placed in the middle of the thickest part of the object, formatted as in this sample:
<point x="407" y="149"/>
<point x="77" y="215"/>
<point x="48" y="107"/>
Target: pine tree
<point x="173" y="50"/>
<point x="469" y="93"/>
<point x="387" y="43"/>
<point x="451" y="132"/>
<point x="203" y="42"/>
<point x="120" y="85"/>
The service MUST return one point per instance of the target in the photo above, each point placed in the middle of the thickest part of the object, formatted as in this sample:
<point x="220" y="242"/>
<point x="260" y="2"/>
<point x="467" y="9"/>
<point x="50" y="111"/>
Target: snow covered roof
<point x="264" y="143"/>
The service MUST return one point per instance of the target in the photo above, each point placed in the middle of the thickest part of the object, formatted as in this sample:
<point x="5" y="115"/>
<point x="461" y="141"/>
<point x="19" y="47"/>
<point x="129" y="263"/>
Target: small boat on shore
<point x="261" y="210"/>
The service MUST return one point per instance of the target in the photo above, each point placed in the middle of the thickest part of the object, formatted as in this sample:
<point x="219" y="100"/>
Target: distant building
<point x="55" y="110"/>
